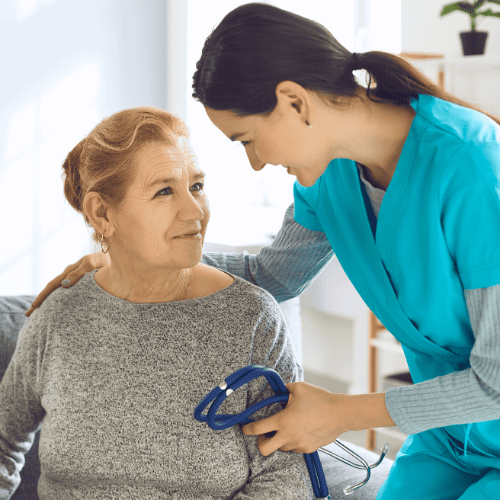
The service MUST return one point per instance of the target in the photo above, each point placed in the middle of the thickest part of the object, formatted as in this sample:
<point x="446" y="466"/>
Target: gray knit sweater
<point x="116" y="384"/>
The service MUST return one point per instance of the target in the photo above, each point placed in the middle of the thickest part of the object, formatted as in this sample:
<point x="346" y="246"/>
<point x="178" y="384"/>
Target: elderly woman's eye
<point x="197" y="187"/>
<point x="167" y="190"/>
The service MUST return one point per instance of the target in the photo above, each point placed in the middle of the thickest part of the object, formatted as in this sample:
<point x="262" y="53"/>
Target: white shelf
<point x="481" y="60"/>
<point x="387" y="345"/>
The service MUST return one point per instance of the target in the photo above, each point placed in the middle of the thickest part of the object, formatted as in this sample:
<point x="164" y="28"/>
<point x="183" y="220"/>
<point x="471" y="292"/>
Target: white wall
<point x="65" y="65"/>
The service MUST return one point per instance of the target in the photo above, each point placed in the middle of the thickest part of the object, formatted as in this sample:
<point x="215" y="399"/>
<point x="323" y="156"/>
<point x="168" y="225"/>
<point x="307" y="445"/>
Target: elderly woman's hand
<point x="71" y="275"/>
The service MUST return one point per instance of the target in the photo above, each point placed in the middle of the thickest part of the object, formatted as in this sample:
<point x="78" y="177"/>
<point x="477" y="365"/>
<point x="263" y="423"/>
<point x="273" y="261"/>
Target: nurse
<point x="401" y="181"/>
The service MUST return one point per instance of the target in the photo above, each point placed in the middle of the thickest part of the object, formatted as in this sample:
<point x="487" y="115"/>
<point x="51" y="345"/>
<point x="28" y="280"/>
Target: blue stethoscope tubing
<point x="221" y="422"/>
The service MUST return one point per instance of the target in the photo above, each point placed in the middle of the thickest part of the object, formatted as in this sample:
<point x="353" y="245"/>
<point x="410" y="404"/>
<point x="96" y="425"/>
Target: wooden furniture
<point x="376" y="344"/>
<point x="374" y="328"/>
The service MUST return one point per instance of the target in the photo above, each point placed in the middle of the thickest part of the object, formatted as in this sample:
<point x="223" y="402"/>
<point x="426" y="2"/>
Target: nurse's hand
<point x="312" y="418"/>
<point x="73" y="273"/>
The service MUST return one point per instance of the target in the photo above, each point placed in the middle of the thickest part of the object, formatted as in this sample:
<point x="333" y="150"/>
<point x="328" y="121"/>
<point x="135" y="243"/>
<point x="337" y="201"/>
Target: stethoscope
<point x="221" y="422"/>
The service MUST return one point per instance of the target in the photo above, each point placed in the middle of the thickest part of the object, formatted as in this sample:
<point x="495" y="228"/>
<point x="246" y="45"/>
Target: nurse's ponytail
<point x="256" y="46"/>
<point x="397" y="81"/>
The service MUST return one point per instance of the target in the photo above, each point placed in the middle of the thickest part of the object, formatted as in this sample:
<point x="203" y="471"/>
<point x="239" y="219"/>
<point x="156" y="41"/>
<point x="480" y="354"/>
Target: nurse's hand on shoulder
<point x="73" y="273"/>
<point x="312" y="418"/>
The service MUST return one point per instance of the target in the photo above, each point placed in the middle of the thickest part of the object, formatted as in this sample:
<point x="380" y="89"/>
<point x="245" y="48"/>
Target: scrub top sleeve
<point x="305" y="205"/>
<point x="470" y="201"/>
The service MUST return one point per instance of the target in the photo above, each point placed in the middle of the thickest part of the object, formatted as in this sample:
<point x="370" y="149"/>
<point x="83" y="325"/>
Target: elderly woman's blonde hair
<point x="103" y="161"/>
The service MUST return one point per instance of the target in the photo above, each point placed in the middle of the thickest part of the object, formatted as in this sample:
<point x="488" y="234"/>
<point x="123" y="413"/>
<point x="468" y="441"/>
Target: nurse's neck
<point x="373" y="134"/>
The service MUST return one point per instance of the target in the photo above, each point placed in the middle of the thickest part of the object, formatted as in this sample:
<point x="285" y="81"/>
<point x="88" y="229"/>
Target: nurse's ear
<point x="294" y="101"/>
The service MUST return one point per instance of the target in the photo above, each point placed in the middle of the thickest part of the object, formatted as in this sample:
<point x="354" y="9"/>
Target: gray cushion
<point x="12" y="319"/>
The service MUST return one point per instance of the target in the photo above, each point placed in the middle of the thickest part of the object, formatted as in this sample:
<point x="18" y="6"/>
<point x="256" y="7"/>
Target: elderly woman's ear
<point x="98" y="213"/>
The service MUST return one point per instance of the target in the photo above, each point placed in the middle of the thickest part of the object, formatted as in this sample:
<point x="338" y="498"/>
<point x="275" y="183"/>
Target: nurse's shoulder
<point x="465" y="124"/>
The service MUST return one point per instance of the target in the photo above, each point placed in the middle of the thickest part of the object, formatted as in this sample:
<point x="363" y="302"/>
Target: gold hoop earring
<point x="102" y="248"/>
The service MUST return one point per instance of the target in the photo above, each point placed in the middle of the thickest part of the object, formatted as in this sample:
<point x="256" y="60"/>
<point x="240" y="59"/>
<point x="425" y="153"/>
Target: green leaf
<point x="447" y="9"/>
<point x="467" y="7"/>
<point x="489" y="13"/>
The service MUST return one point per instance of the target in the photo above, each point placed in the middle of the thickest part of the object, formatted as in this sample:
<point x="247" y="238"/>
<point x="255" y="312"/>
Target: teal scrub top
<point x="437" y="233"/>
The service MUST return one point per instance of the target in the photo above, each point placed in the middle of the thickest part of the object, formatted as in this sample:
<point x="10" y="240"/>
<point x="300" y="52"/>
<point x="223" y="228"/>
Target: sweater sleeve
<point x="467" y="396"/>
<point x="21" y="412"/>
<point x="287" y="267"/>
<point x="281" y="475"/>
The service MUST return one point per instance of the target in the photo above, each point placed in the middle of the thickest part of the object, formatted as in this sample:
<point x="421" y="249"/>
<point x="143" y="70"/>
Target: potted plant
<point x="473" y="42"/>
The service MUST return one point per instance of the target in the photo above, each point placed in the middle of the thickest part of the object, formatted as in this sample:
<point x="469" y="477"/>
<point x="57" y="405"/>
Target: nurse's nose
<point x="255" y="162"/>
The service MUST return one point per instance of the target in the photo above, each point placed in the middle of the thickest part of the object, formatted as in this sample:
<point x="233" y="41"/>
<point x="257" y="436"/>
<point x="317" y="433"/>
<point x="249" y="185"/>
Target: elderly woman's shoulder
<point x="64" y="300"/>
<point x="251" y="292"/>
<point x="210" y="280"/>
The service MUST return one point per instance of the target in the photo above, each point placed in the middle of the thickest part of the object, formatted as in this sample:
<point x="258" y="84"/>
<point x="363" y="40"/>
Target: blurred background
<point x="67" y="64"/>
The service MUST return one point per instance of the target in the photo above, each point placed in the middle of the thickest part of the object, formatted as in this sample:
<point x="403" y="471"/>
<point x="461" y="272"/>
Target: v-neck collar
<point x="384" y="225"/>
<point x="357" y="230"/>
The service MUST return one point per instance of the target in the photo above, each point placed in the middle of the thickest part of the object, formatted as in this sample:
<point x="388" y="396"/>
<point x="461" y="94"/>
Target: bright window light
<point x="72" y="96"/>
<point x="21" y="133"/>
<point x="39" y="137"/>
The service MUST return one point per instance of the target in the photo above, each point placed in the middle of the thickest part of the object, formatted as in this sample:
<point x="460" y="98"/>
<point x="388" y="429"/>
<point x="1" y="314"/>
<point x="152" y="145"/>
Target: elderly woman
<point x="115" y="366"/>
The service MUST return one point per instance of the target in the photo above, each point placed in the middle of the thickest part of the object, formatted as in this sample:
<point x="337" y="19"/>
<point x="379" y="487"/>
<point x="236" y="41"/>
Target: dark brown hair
<point x="103" y="162"/>
<point x="256" y="46"/>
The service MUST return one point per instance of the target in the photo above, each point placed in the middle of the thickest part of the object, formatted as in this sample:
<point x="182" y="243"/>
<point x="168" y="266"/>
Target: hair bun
<point x="72" y="182"/>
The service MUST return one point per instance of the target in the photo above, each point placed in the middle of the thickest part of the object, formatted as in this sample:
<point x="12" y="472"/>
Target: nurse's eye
<point x="164" y="191"/>
<point x="197" y="187"/>
<point x="245" y="143"/>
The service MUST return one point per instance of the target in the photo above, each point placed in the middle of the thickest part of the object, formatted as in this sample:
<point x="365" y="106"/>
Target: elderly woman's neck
<point x="150" y="286"/>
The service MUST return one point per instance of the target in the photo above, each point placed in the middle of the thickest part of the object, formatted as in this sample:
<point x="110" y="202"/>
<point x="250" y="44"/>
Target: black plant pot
<point x="473" y="42"/>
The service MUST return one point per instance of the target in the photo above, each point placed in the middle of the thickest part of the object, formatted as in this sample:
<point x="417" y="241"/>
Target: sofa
<point x="12" y="319"/>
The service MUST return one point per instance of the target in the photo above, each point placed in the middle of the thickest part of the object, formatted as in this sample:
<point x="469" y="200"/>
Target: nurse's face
<point x="282" y="138"/>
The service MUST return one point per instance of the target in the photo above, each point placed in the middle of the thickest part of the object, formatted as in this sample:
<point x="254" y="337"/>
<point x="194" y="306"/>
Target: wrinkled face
<point x="279" y="139"/>
<point x="163" y="218"/>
